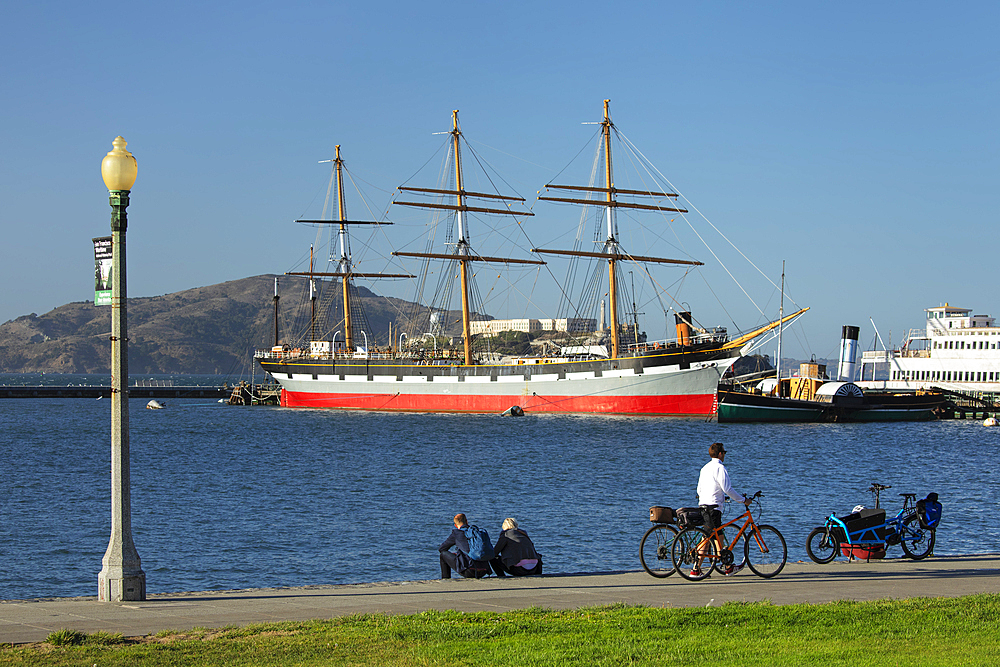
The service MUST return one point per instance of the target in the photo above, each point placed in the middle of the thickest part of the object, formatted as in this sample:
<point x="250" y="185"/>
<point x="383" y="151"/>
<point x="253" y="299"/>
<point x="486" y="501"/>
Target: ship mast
<point x="344" y="262"/>
<point x="463" y="241"/>
<point x="463" y="250"/>
<point x="611" y="242"/>
<point x="612" y="250"/>
<point x="312" y="300"/>
<point x="781" y="315"/>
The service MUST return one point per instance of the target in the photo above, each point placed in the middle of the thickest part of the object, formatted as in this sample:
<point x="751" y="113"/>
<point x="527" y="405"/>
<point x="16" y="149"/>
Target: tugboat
<point x="812" y="397"/>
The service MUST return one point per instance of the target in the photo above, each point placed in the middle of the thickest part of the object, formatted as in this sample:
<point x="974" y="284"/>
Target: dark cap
<point x="715" y="449"/>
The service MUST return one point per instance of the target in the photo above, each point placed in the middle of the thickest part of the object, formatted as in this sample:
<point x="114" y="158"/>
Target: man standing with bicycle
<point x="714" y="486"/>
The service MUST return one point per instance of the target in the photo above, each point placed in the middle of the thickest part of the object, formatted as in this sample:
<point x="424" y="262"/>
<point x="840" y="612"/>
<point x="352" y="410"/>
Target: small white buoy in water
<point x="990" y="421"/>
<point x="155" y="405"/>
<point x="513" y="411"/>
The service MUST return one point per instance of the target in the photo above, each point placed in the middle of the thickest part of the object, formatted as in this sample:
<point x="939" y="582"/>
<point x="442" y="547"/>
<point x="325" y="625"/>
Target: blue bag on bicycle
<point x="929" y="511"/>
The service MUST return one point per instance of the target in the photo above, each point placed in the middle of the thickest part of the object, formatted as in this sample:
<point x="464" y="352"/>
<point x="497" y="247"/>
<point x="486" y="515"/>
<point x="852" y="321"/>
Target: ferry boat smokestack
<point x="683" y="324"/>
<point x="847" y="369"/>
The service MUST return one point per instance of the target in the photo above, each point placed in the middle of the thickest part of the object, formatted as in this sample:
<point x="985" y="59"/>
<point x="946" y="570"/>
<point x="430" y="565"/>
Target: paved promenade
<point x="33" y="620"/>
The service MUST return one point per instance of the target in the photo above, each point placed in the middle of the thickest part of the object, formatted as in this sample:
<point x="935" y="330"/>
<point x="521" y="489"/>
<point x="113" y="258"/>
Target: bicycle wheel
<point x="821" y="546"/>
<point x="735" y="559"/>
<point x="692" y="548"/>
<point x="918" y="543"/>
<point x="654" y="550"/>
<point x="766" y="563"/>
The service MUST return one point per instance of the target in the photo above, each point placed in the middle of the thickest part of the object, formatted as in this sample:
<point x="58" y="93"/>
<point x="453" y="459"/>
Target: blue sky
<point x="855" y="141"/>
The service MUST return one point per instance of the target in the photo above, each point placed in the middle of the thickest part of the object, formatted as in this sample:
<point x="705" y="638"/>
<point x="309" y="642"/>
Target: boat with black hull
<point x="621" y="374"/>
<point x="852" y="404"/>
<point x="811" y="396"/>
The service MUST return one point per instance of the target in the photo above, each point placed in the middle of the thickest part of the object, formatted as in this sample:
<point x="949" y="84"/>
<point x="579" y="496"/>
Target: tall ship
<point x="956" y="351"/>
<point x="613" y="371"/>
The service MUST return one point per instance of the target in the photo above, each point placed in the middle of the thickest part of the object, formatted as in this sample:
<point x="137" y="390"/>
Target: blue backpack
<point x="480" y="547"/>
<point x="929" y="510"/>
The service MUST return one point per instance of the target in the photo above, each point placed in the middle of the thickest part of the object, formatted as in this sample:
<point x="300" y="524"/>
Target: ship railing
<point x="670" y="343"/>
<point x="878" y="356"/>
<point x="299" y="353"/>
<point x="429" y="357"/>
<point x="295" y="353"/>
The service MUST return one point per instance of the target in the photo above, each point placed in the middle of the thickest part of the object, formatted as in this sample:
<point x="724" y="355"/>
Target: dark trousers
<point x="449" y="562"/>
<point x="713" y="521"/>
<point x="515" y="571"/>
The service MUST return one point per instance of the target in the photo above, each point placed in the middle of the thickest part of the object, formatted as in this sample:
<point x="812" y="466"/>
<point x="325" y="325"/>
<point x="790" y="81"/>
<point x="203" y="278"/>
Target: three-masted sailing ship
<point x="626" y="375"/>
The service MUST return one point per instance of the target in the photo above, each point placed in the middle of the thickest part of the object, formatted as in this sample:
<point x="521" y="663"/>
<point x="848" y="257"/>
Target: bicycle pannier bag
<point x="690" y="516"/>
<point x="659" y="514"/>
<point x="929" y="511"/>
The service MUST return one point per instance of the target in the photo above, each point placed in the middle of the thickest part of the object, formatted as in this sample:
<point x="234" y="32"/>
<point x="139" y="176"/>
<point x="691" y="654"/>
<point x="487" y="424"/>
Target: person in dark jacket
<point x="459" y="560"/>
<point x="514" y="552"/>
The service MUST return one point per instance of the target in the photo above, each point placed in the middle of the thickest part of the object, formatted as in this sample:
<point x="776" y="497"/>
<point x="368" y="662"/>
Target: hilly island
<point x="211" y="330"/>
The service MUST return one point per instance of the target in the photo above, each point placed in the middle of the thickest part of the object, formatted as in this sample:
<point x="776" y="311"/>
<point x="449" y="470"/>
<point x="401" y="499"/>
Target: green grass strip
<point x="923" y="631"/>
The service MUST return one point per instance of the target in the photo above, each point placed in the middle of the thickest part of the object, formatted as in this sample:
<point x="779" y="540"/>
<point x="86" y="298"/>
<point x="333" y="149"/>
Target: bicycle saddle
<point x="908" y="495"/>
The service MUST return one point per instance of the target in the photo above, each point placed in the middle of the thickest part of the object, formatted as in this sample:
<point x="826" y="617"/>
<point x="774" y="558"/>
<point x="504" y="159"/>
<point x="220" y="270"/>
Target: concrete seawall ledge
<point x="25" y="621"/>
<point x="84" y="391"/>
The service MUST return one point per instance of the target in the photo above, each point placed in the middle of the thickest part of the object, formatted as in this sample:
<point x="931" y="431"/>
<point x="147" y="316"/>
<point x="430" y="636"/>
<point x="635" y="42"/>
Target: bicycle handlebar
<point x="879" y="487"/>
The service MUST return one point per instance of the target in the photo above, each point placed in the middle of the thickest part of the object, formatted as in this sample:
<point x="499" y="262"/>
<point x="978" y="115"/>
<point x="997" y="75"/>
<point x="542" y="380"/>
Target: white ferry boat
<point x="958" y="351"/>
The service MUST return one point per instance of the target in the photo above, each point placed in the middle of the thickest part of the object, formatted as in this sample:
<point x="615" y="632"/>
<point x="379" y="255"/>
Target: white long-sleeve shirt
<point x="714" y="485"/>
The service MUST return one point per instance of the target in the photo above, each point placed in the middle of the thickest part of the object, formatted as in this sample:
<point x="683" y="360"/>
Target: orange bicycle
<point x="764" y="549"/>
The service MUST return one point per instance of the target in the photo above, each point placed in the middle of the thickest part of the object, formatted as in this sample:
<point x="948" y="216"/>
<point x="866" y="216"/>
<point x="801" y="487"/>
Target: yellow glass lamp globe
<point x="119" y="167"/>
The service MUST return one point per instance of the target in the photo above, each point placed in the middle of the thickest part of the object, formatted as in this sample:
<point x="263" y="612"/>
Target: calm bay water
<point x="240" y="497"/>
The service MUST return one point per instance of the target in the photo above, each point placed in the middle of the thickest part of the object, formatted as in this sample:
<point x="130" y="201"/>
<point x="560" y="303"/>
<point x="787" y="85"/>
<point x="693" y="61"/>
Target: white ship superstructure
<point x="957" y="351"/>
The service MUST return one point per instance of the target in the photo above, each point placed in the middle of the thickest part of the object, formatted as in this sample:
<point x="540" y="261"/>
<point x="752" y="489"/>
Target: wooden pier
<point x="260" y="394"/>
<point x="969" y="405"/>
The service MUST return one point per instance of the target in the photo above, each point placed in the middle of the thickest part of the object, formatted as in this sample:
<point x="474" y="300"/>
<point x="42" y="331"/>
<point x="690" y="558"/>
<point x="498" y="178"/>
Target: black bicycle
<point x="654" y="549"/>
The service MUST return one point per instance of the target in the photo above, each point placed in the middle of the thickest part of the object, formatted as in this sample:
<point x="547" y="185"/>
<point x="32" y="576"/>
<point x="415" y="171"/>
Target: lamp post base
<point x="114" y="585"/>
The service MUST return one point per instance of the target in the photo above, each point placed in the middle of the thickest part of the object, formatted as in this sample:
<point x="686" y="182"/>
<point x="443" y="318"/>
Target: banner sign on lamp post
<point x="102" y="271"/>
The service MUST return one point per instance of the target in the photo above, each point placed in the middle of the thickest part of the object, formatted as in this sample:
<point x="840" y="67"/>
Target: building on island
<point x="573" y="325"/>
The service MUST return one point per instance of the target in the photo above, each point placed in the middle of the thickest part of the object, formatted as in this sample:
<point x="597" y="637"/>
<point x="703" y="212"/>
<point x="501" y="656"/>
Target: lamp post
<point x="122" y="577"/>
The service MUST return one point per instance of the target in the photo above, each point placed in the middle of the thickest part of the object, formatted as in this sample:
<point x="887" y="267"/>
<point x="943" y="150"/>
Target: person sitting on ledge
<point x="461" y="561"/>
<point x="515" y="553"/>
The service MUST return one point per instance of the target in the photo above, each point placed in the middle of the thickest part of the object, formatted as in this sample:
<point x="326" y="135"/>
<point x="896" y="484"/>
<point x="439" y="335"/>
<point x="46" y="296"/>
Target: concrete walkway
<point x="32" y="620"/>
